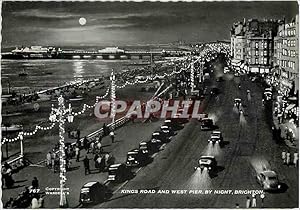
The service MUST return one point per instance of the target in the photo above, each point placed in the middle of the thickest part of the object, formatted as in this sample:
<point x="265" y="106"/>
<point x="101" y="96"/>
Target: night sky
<point x="115" y="23"/>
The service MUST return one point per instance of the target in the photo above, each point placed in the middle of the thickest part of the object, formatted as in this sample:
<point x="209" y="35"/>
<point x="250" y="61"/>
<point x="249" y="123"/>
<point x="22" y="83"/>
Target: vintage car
<point x="136" y="158"/>
<point x="226" y="70"/>
<point x="166" y="131"/>
<point x="94" y="192"/>
<point x="162" y="137"/>
<point x="268" y="180"/>
<point x="144" y="147"/>
<point x="119" y="173"/>
<point x="216" y="137"/>
<point x="207" y="163"/>
<point x="207" y="124"/>
<point x="217" y="134"/>
<point x="173" y="124"/>
<point x="267" y="95"/>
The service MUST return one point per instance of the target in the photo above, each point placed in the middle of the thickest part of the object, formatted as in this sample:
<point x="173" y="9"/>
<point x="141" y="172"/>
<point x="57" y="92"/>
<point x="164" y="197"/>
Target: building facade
<point x="252" y="43"/>
<point x="286" y="55"/>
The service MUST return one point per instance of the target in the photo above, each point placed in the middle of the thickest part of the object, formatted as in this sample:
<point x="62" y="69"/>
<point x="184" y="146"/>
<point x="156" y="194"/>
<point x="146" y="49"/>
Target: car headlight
<point x="127" y="162"/>
<point x="209" y="168"/>
<point x="279" y="186"/>
<point x="135" y="161"/>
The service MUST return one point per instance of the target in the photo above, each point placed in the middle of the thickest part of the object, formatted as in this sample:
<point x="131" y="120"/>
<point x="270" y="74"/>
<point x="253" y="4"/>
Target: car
<point x="161" y="136"/>
<point x="136" y="158"/>
<point x="216" y="137"/>
<point x="207" y="162"/>
<point x="237" y="102"/>
<point x="226" y="70"/>
<point x="167" y="131"/>
<point x="173" y="124"/>
<point x="268" y="180"/>
<point x="144" y="147"/>
<point x="207" y="124"/>
<point x="268" y="95"/>
<point x="119" y="173"/>
<point x="94" y="192"/>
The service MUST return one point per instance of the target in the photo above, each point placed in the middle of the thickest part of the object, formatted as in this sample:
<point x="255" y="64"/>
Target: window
<point x="256" y="44"/>
<point x="288" y="43"/>
<point x="256" y="52"/>
<point x="265" y="52"/>
<point x="265" y="60"/>
<point x="284" y="42"/>
<point x="256" y="60"/>
<point x="261" y="53"/>
<point x="265" y="44"/>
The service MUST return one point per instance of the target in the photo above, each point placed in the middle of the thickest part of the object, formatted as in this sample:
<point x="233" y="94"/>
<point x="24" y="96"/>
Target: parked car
<point x="207" y="162"/>
<point x="144" y="147"/>
<point x="163" y="138"/>
<point x="174" y="125"/>
<point x="207" y="124"/>
<point x="167" y="131"/>
<point x="136" y="158"/>
<point x="119" y="173"/>
<point x="268" y="180"/>
<point x="94" y="192"/>
<point x="226" y="70"/>
<point x="267" y="95"/>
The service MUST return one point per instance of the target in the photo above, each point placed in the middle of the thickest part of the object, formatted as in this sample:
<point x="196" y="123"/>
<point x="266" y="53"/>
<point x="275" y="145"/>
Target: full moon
<point x="82" y="21"/>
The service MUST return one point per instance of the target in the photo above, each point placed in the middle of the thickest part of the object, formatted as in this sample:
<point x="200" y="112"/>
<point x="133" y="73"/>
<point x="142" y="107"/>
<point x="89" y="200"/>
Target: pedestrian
<point x="104" y="128"/>
<point x="98" y="163"/>
<point x="112" y="136"/>
<point x="34" y="203"/>
<point x="48" y="157"/>
<point x="99" y="146"/>
<point x="253" y="201"/>
<point x="86" y="144"/>
<point x="77" y="153"/>
<point x="248" y="202"/>
<point x="237" y="206"/>
<point x="283" y="156"/>
<point x="53" y="156"/>
<point x="262" y="196"/>
<point x="41" y="201"/>
<point x="92" y="145"/>
<point x="9" y="182"/>
<point x="86" y="163"/>
<point x="35" y="183"/>
<point x="288" y="158"/>
<point x="296" y="159"/>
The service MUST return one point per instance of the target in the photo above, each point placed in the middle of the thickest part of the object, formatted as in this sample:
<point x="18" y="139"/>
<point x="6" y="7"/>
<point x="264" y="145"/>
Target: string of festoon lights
<point x="38" y="127"/>
<point x="86" y="106"/>
<point x="22" y="134"/>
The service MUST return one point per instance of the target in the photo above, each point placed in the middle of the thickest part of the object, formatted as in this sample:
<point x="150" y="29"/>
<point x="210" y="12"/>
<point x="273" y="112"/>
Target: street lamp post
<point x="113" y="98"/>
<point x="59" y="115"/>
<point x="192" y="76"/>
